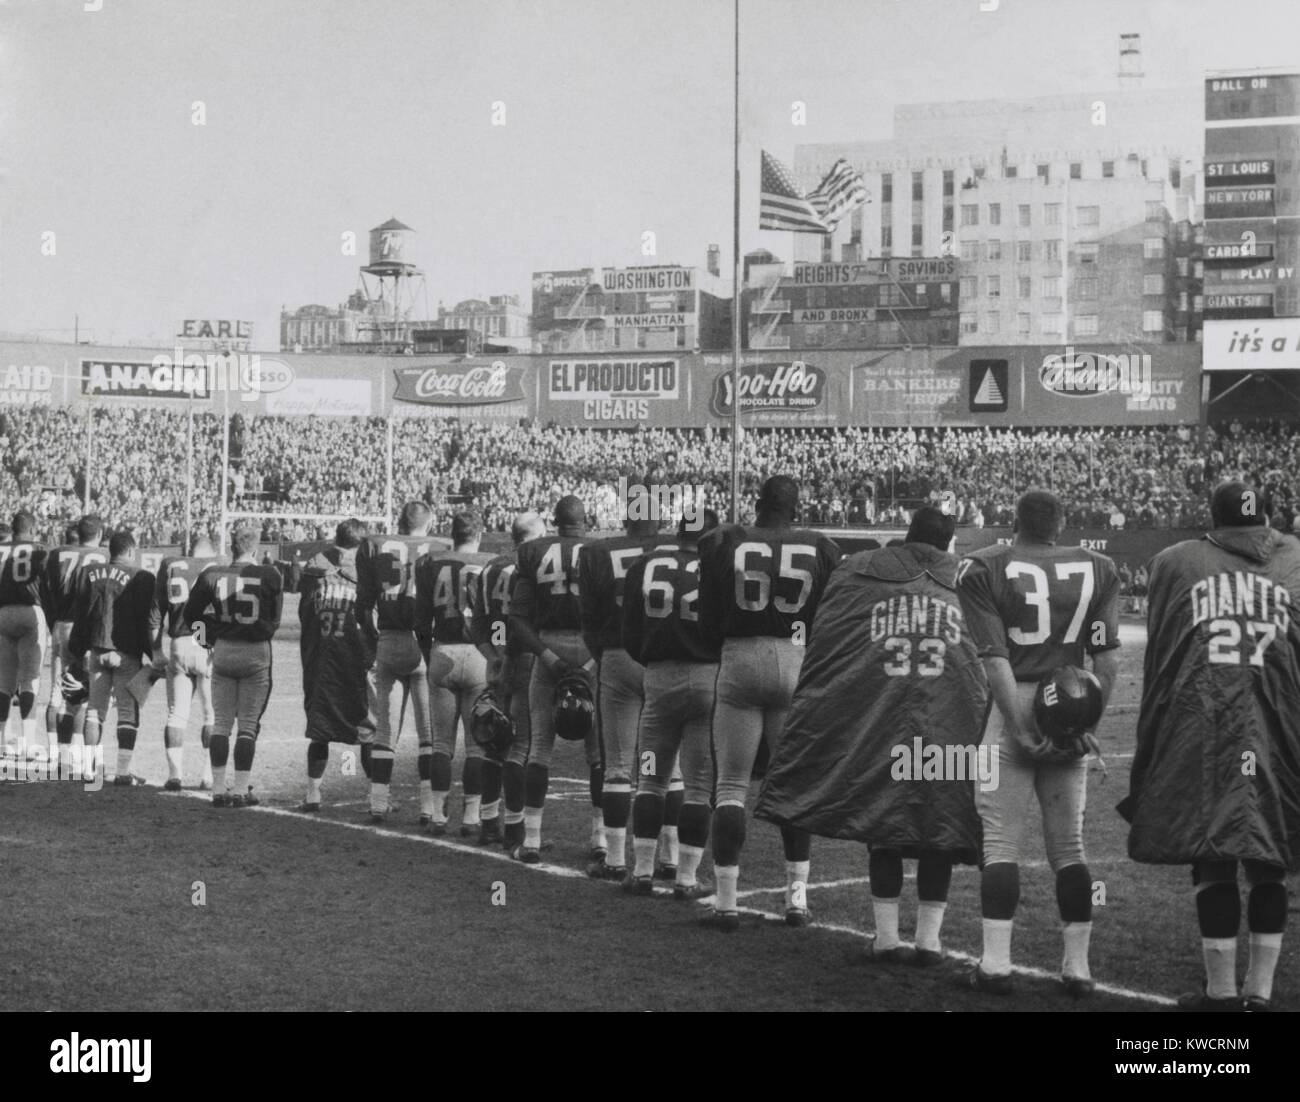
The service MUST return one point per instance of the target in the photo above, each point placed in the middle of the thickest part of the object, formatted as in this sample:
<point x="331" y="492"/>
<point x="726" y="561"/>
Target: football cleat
<point x="426" y="820"/>
<point x="489" y="832"/>
<point x="990" y="985"/>
<point x="728" y="922"/>
<point x="1077" y="987"/>
<point x="666" y="872"/>
<point x="309" y="807"/>
<point x="378" y="818"/>
<point x="127" y="780"/>
<point x="437" y="830"/>
<point x="172" y="784"/>
<point x="248" y="800"/>
<point x="468" y="830"/>
<point x="688" y="893"/>
<point x="927" y="958"/>
<point x="798" y="916"/>
<point x="528" y="855"/>
<point x="221" y="799"/>
<point x="639" y="885"/>
<point x="898" y="954"/>
<point x="1256" y="1004"/>
<point x="1198" y="1002"/>
<point x="607" y="872"/>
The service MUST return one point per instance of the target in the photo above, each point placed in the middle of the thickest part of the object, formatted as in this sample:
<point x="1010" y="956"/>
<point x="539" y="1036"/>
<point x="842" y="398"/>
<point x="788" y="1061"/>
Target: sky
<point x="323" y="117"/>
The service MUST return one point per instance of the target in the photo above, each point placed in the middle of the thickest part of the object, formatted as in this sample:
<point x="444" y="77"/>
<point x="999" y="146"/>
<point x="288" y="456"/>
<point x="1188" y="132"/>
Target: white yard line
<point x="493" y="853"/>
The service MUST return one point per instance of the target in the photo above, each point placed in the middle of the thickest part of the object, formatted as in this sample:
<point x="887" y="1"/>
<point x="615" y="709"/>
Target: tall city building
<point x="1072" y="216"/>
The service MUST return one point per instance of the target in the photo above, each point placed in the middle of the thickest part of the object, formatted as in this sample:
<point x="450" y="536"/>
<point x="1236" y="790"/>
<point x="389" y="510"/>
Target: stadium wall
<point x="995" y="386"/>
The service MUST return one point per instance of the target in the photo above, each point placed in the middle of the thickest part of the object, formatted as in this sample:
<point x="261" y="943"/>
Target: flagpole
<point x="735" y="291"/>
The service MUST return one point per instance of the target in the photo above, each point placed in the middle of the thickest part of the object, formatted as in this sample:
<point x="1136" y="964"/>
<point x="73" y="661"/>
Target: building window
<point x="967" y="287"/>
<point x="1050" y="325"/>
<point x="887" y="187"/>
<point x="1010" y="172"/>
<point x="916" y="239"/>
<point x="1024" y="250"/>
<point x="1153" y="321"/>
<point x="828" y="249"/>
<point x="945" y="294"/>
<point x="970" y="323"/>
<point x="1155" y="210"/>
<point x="1153" y="248"/>
<point x="970" y="214"/>
<point x="1076" y="170"/>
<point x="970" y="250"/>
<point x="1044" y="173"/>
<point x="995" y="249"/>
<point x="947" y="216"/>
<point x="947" y="183"/>
<point x="1052" y="287"/>
<point x="918" y="187"/>
<point x="1087" y="252"/>
<point x="980" y="171"/>
<point x="1022" y="324"/>
<point x="1052" y="250"/>
<point x="886" y="236"/>
<point x="889" y="295"/>
<point x="1153" y="284"/>
<point x="1175" y="176"/>
<point x="1108" y="170"/>
<point x="995" y="214"/>
<point x="1024" y="287"/>
<point x="1184" y="266"/>
<point x="1196" y="304"/>
<point x="993" y="285"/>
<point x="992" y="323"/>
<point x="1085" y="288"/>
<point x="1198" y="269"/>
<point x="1052" y="214"/>
<point x="1024" y="216"/>
<point x="1087" y="216"/>
<point x="1085" y="325"/>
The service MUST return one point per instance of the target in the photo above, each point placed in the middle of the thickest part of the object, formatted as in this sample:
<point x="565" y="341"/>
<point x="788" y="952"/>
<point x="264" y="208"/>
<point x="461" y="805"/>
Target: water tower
<point x="391" y="282"/>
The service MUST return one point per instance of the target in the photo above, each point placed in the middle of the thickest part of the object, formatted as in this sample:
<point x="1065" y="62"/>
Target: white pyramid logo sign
<point x="989" y="393"/>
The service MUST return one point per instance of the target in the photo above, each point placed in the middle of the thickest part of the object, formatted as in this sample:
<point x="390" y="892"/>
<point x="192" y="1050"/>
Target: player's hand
<point x="110" y="660"/>
<point x="556" y="666"/>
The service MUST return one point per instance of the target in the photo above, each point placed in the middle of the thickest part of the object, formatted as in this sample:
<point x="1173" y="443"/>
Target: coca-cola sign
<point x="460" y="384"/>
<point x="784" y="387"/>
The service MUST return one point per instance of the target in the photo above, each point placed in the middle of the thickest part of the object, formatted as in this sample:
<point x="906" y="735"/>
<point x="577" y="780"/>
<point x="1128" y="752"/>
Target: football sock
<point x="616" y="847"/>
<point x="673" y="801"/>
<point x="1076" y="936"/>
<point x="243" y="780"/>
<point x="439" y="807"/>
<point x="1218" y="909"/>
<point x="933" y="876"/>
<point x="378" y="798"/>
<point x="728" y="834"/>
<point x="367" y="750"/>
<point x="473" y="812"/>
<point x="245" y="749"/>
<point x="512" y="788"/>
<point x="489" y="811"/>
<point x="929" y="921"/>
<point x="596" y="783"/>
<point x="688" y="864"/>
<point x="471" y="777"/>
<point x="1266" y="908"/>
<point x="491" y="785"/>
<point x="1265" y="949"/>
<point x="313" y="790"/>
<point x="616" y="803"/>
<point x="726" y="878"/>
<point x="1220" y="955"/>
<point x="29" y="731"/>
<point x="643" y="850"/>
<point x="796" y="883"/>
<point x="996" y="960"/>
<point x="424" y="763"/>
<point x="64" y="727"/>
<point x="219" y="779"/>
<point x="1000" y="891"/>
<point x="175" y="756"/>
<point x="123" y="762"/>
<point x="537" y="779"/>
<point x="205" y="736"/>
<point x="427" y="802"/>
<point x="93" y="762"/>
<point x="381" y="766"/>
<point x="885" y="873"/>
<point x="1074" y="894"/>
<point x="693" y="828"/>
<point x="533" y="827"/>
<point x="598" y="830"/>
<point x="26" y="702"/>
<point x="796" y="843"/>
<point x="669" y="846"/>
<point x="5" y="701"/>
<point x="885" y="912"/>
<point x="440" y="772"/>
<point x="52" y="715"/>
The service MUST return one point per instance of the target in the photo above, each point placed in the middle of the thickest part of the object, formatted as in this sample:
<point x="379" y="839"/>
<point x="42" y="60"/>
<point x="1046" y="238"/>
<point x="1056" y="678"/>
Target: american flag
<point x="782" y="207"/>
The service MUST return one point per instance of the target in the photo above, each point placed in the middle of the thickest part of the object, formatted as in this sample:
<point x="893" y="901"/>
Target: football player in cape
<point x="26" y="614"/>
<point x="760" y="586"/>
<point x="1032" y="607"/>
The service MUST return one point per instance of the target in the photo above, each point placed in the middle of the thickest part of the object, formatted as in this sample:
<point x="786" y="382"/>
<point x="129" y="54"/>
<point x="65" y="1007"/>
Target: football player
<point x="890" y="667"/>
<point x="114" y="623"/>
<point x="25" y="617"/>
<point x="546" y="619"/>
<point x="510" y="668"/>
<point x="457" y="669"/>
<point x="189" y="665"/>
<point x="336" y="654"/>
<point x="82" y="546"/>
<point x="1031" y="607"/>
<point x="386" y="591"/>
<point x="602" y="570"/>
<point x="759" y="590"/>
<point x="1221" y="686"/>
<point x="240" y="606"/>
<point x="661" y="629"/>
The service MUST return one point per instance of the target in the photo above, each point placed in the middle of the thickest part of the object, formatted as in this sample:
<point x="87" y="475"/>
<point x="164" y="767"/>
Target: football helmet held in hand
<point x="490" y="727"/>
<point x="1067" y="704"/>
<point x="75" y="686"/>
<point x="574" y="709"/>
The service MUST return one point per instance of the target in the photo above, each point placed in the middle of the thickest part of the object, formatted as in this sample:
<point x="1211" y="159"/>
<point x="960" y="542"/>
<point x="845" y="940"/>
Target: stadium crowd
<point x="1140" y="477"/>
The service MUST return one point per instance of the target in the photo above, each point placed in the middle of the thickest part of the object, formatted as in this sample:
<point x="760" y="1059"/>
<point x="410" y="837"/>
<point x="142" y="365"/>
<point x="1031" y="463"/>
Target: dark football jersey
<point x="176" y="578"/>
<point x="490" y="599"/>
<point x="661" y="608"/>
<point x="237" y="601"/>
<point x="386" y="577"/>
<point x="443" y="580"/>
<point x="602" y="570"/>
<point x="22" y="574"/>
<point x="61" y="575"/>
<point x="114" y="609"/>
<point x="1039" y="605"/>
<point x="762" y="581"/>
<point x="545" y="590"/>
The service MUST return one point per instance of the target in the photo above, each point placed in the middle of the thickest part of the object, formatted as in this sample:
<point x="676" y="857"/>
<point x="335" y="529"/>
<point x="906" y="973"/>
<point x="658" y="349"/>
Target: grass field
<point x="99" y="894"/>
